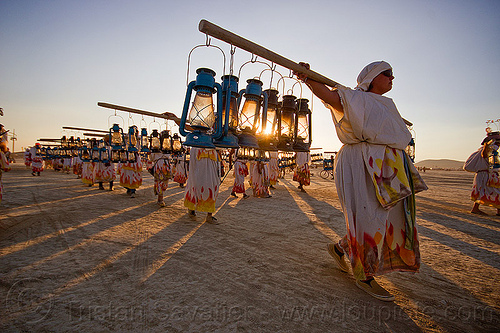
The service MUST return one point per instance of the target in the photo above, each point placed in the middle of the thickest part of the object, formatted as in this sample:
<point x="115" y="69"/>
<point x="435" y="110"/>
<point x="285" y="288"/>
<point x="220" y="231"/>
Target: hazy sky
<point x="59" y="58"/>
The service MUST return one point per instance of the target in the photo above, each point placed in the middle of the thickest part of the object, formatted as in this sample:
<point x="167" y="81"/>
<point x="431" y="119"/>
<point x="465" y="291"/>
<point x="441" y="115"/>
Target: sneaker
<point x="160" y="203"/>
<point x="234" y="194"/>
<point x="245" y="195"/>
<point x="132" y="195"/>
<point x="192" y="214"/>
<point x="374" y="289"/>
<point x="338" y="256"/>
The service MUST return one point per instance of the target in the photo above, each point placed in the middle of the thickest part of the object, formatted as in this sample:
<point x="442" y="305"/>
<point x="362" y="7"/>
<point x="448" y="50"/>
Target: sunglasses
<point x="387" y="73"/>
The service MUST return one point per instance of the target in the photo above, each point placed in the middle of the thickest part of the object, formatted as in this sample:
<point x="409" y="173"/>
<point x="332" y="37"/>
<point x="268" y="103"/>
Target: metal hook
<point x="207" y="40"/>
<point x="232" y="50"/>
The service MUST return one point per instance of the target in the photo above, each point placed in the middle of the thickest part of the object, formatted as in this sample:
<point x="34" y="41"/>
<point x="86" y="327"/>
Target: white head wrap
<point x="368" y="73"/>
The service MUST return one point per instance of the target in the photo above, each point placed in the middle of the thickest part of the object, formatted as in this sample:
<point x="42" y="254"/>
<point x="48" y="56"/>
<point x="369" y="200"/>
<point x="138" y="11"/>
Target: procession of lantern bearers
<point x="253" y="133"/>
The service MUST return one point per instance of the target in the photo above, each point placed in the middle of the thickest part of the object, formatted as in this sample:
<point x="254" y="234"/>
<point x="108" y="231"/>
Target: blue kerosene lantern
<point x="494" y="158"/>
<point x="249" y="120"/>
<point x="166" y="142"/>
<point x="154" y="141"/>
<point x="202" y="116"/>
<point x="144" y="141"/>
<point x="176" y="144"/>
<point x="103" y="152"/>
<point x="117" y="142"/>
<point x="303" y="126"/>
<point x="84" y="152"/>
<point x="268" y="137"/>
<point x="94" y="150"/>
<point x="133" y="139"/>
<point x="286" y="123"/>
<point x="229" y="114"/>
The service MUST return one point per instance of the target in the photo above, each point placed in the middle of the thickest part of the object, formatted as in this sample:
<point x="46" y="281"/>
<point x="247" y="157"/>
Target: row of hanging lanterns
<point x="263" y="122"/>
<point x="125" y="148"/>
<point x="119" y="148"/>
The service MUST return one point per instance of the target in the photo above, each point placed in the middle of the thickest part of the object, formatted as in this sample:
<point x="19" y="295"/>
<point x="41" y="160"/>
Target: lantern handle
<point x="273" y="71"/>
<point x="130" y="118"/>
<point x="300" y="85"/>
<point x="207" y="44"/>
<point x="166" y="125"/>
<point x="253" y="61"/>
<point x="219" y="132"/>
<point x="182" y="125"/>
<point x="283" y="79"/>
<point x="115" y="115"/>
<point x="272" y="76"/>
<point x="142" y="120"/>
<point x="154" y="121"/>
<point x="263" y="118"/>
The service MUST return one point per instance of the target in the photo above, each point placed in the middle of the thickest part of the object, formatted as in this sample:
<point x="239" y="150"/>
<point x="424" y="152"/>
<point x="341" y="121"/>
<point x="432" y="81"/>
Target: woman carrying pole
<point x="375" y="179"/>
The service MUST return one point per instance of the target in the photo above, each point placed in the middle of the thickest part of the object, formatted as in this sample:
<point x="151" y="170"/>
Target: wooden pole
<point x="50" y="140"/>
<point x="235" y="40"/>
<point x="244" y="44"/>
<point x="95" y="135"/>
<point x="84" y="129"/>
<point x="165" y="115"/>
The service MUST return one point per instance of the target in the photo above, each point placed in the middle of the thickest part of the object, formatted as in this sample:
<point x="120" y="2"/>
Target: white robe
<point x="368" y="183"/>
<point x="202" y="186"/>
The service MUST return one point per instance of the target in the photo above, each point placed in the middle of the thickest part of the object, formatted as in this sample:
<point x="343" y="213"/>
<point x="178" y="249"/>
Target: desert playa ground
<point x="77" y="259"/>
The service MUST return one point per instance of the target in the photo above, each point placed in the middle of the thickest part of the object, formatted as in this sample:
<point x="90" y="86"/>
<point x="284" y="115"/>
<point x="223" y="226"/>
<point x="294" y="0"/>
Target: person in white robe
<point x="180" y="175"/>
<point x="486" y="186"/>
<point x="162" y="172"/>
<point x="27" y="158"/>
<point x="203" y="183"/>
<point x="240" y="171"/>
<point x="302" y="173"/>
<point x="273" y="169"/>
<point x="4" y="161"/>
<point x="37" y="162"/>
<point x="375" y="179"/>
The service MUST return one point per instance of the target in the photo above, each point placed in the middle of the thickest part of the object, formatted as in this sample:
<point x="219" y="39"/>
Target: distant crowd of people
<point x="198" y="170"/>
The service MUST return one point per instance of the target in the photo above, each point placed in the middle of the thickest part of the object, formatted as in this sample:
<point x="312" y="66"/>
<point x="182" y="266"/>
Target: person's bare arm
<point x="485" y="152"/>
<point x="322" y="91"/>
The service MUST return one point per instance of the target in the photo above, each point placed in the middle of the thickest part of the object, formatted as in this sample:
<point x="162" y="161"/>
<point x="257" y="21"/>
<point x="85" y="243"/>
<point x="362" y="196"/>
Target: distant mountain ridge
<point x="441" y="164"/>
